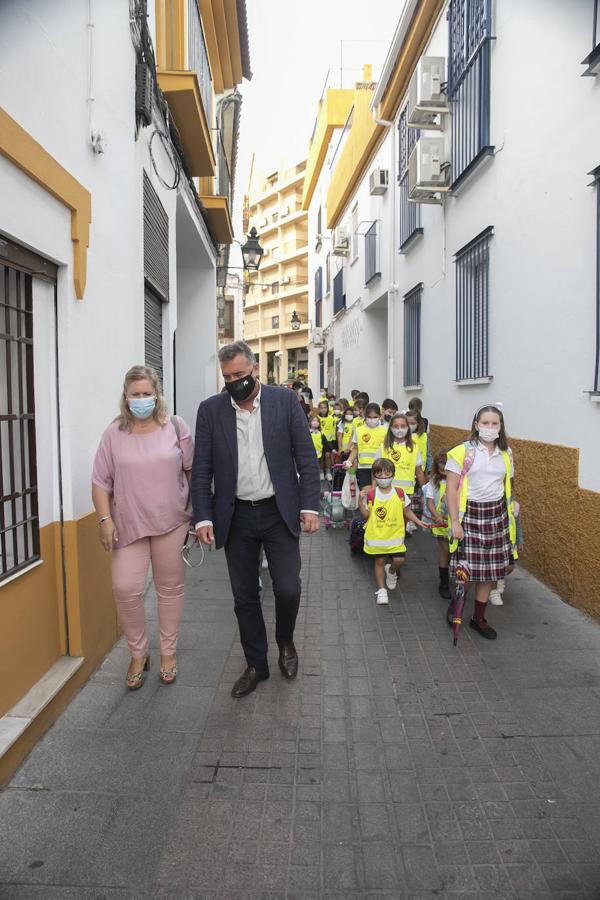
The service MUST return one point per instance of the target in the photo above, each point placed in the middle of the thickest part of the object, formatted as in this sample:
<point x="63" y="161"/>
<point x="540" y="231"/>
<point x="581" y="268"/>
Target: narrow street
<point x="395" y="766"/>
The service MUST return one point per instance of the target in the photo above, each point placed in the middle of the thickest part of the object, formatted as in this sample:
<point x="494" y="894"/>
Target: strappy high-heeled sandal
<point x="168" y="676"/>
<point x="136" y="681"/>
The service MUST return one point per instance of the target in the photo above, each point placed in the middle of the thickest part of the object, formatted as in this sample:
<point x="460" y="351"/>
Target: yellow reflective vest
<point x="458" y="454"/>
<point x="385" y="529"/>
<point x="328" y="427"/>
<point x="317" y="439"/>
<point x="441" y="531"/>
<point x="347" y="433"/>
<point x="420" y="441"/>
<point x="368" y="442"/>
<point x="405" y="461"/>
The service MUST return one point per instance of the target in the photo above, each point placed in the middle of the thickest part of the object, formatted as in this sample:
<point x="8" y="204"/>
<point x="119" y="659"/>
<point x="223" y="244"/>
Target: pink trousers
<point x="129" y="571"/>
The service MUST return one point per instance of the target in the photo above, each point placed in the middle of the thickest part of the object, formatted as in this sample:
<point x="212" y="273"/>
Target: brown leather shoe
<point x="248" y="681"/>
<point x="288" y="661"/>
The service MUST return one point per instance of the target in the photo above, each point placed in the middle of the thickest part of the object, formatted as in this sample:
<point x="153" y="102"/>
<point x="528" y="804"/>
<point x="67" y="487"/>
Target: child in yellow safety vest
<point x="399" y="447"/>
<point x="366" y="441"/>
<point x="345" y="432"/>
<point x="419" y="436"/>
<point x="386" y="510"/>
<point x="436" y="514"/>
<point x="328" y="427"/>
<point x="317" y="437"/>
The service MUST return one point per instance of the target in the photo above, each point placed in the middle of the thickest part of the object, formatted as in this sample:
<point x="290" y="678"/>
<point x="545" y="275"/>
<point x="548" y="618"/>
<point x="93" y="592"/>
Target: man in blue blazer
<point x="255" y="481"/>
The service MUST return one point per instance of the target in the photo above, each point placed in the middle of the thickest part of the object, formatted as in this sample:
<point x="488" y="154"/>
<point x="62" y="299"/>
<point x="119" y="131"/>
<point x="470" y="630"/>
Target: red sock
<point x="479" y="613"/>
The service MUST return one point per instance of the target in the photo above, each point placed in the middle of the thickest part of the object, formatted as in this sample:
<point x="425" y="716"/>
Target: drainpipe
<point x="392" y="285"/>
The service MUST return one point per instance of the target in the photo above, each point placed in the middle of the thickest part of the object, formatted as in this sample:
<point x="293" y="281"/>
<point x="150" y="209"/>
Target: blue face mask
<point x="142" y="407"/>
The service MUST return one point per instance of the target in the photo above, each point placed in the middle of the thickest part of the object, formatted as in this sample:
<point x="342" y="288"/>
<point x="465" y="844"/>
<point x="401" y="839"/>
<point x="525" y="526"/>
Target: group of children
<point x="402" y="487"/>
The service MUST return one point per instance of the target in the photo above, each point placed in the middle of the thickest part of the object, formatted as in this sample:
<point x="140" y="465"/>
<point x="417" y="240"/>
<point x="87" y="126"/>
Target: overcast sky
<point x="292" y="47"/>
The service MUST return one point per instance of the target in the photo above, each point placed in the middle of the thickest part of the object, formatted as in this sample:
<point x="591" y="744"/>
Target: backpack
<point x="357" y="535"/>
<point x="371" y="495"/>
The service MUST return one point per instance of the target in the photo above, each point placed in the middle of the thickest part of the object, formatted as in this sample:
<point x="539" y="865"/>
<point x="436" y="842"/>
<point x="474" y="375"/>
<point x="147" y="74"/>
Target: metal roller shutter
<point x="156" y="275"/>
<point x="153" y="332"/>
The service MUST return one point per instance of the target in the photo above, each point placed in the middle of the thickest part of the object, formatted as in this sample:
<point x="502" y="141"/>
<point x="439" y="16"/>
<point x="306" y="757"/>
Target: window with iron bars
<point x="472" y="308"/>
<point x="470" y="35"/>
<point x="372" y="268"/>
<point x="412" y="336"/>
<point x="319" y="297"/>
<point x="274" y="321"/>
<point x="19" y="522"/>
<point x="339" y="297"/>
<point x="410" y="213"/>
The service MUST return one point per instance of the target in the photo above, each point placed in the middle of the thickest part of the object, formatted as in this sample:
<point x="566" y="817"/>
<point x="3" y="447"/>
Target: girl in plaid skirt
<point x="480" y="509"/>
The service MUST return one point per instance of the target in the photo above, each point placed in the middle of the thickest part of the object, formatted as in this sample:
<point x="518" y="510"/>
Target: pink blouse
<point x="145" y="477"/>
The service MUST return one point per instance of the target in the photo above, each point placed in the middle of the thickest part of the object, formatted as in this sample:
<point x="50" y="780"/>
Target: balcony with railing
<point x="184" y="76"/>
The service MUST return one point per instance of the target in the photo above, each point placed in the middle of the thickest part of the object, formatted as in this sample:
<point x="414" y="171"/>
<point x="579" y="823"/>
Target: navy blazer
<point x="289" y="452"/>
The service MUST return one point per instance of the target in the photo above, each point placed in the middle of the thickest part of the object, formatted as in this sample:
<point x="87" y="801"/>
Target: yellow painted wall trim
<point x="224" y="45"/>
<point x="333" y="113"/>
<point x="362" y="142"/>
<point x="219" y="217"/>
<point x="233" y="31"/>
<point x="21" y="149"/>
<point x="420" y="31"/>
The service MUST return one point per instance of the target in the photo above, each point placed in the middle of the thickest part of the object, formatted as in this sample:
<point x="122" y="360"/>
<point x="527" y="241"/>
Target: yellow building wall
<point x="561" y="521"/>
<point x="32" y="624"/>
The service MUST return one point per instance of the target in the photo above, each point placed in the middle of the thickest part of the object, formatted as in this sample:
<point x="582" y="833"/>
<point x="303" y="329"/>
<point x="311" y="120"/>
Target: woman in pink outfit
<point x="141" y="492"/>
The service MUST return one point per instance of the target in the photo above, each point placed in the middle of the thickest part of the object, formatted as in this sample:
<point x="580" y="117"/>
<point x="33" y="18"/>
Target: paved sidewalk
<point x="395" y="766"/>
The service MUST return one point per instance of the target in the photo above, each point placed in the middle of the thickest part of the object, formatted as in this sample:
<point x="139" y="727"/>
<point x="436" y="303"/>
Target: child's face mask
<point x="400" y="432"/>
<point x="349" y="417"/>
<point x="372" y="423"/>
<point x="413" y="428"/>
<point x="384" y="481"/>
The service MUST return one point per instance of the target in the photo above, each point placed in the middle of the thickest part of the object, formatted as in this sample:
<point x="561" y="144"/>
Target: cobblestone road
<point x="395" y="766"/>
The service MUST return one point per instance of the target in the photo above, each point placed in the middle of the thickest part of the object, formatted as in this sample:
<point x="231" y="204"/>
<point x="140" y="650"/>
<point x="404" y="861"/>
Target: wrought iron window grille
<point x="472" y="309"/>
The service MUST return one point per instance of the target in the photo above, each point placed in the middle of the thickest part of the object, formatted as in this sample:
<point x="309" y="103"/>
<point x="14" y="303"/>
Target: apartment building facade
<point x="276" y="304"/>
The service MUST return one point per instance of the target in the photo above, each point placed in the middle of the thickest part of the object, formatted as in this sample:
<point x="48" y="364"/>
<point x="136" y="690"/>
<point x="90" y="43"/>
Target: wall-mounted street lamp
<point x="295" y="321"/>
<point x="252" y="252"/>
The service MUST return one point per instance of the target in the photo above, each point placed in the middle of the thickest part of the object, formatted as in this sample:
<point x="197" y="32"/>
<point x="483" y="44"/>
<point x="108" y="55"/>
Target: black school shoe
<point x="483" y="629"/>
<point x="444" y="591"/>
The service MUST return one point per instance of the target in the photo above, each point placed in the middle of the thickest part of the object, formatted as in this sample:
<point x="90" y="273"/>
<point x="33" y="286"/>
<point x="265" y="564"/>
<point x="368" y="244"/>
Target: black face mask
<point x="387" y="418"/>
<point x="241" y="388"/>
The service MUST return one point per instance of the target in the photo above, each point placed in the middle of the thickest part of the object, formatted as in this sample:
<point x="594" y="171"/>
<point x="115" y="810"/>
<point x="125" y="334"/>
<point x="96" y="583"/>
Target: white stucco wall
<point x="535" y="193"/>
<point x="101" y="336"/>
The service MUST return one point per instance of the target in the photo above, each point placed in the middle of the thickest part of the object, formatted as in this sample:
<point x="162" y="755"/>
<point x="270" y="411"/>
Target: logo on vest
<point x="396" y="455"/>
<point x="381" y="513"/>
<point x="366" y="438"/>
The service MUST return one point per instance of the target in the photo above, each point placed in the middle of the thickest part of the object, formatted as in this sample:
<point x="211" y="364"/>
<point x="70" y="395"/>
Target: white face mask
<point x="372" y="423"/>
<point x="349" y="418"/>
<point x="400" y="432"/>
<point x="384" y="482"/>
<point x="489" y="434"/>
<point x="413" y="428"/>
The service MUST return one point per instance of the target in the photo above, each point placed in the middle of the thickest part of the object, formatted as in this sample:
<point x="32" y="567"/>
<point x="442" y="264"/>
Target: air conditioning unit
<point x="266" y="252"/>
<point x="427" y="101"/>
<point x="264" y="287"/>
<point x="378" y="182"/>
<point x="317" y="337"/>
<point x="285" y="279"/>
<point x="285" y="211"/>
<point x="341" y="240"/>
<point x="263" y="223"/>
<point x="428" y="170"/>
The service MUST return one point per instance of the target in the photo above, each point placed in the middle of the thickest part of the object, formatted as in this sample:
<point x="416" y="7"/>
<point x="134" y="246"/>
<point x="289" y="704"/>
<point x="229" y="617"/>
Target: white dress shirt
<point x="254" y="479"/>
<point x="486" y="476"/>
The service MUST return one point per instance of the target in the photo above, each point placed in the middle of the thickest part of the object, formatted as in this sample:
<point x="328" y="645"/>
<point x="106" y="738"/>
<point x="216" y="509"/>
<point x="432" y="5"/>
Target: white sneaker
<point x="495" y="597"/>
<point x="391" y="579"/>
<point x="381" y="597"/>
<point x="411" y="528"/>
<point x="500" y="585"/>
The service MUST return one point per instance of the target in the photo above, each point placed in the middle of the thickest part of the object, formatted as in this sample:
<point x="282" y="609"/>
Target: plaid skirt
<point x="486" y="547"/>
<point x="416" y="501"/>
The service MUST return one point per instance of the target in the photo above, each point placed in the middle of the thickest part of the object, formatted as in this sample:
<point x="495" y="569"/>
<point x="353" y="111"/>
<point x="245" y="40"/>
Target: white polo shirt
<point x="486" y="475"/>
